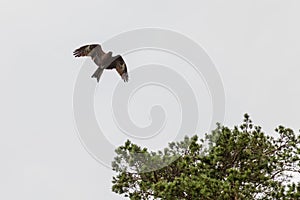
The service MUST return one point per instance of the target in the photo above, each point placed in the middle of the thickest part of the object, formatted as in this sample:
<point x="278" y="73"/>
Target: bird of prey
<point x="103" y="60"/>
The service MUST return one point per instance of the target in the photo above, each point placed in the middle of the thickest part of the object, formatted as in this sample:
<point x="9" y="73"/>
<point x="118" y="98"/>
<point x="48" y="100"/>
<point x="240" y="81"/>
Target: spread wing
<point x="119" y="64"/>
<point x="93" y="50"/>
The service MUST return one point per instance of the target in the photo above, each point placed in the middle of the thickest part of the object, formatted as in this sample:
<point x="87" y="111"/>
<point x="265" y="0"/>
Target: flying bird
<point x="103" y="60"/>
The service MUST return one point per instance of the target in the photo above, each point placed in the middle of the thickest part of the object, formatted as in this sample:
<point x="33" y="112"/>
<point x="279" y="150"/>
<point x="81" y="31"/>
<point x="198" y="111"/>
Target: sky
<point x="253" y="45"/>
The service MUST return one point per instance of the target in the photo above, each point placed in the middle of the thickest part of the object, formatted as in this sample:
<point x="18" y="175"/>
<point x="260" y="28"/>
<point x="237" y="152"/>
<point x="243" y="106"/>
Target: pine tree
<point x="241" y="163"/>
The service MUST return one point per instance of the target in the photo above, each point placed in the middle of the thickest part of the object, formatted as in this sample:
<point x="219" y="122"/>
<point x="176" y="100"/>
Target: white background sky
<point x="254" y="44"/>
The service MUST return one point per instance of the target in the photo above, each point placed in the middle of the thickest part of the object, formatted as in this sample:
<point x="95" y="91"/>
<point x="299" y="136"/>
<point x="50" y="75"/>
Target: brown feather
<point x="103" y="60"/>
<point x="119" y="64"/>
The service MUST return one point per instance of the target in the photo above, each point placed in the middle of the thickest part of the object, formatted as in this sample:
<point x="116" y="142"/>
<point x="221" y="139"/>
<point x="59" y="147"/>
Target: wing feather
<point x="93" y="50"/>
<point x="119" y="64"/>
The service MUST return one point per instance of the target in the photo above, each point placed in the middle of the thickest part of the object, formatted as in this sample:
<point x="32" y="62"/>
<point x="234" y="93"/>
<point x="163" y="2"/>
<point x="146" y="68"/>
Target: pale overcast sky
<point x="254" y="45"/>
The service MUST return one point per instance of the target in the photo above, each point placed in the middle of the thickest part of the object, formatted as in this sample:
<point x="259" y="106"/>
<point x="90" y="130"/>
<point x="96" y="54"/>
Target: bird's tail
<point x="97" y="74"/>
